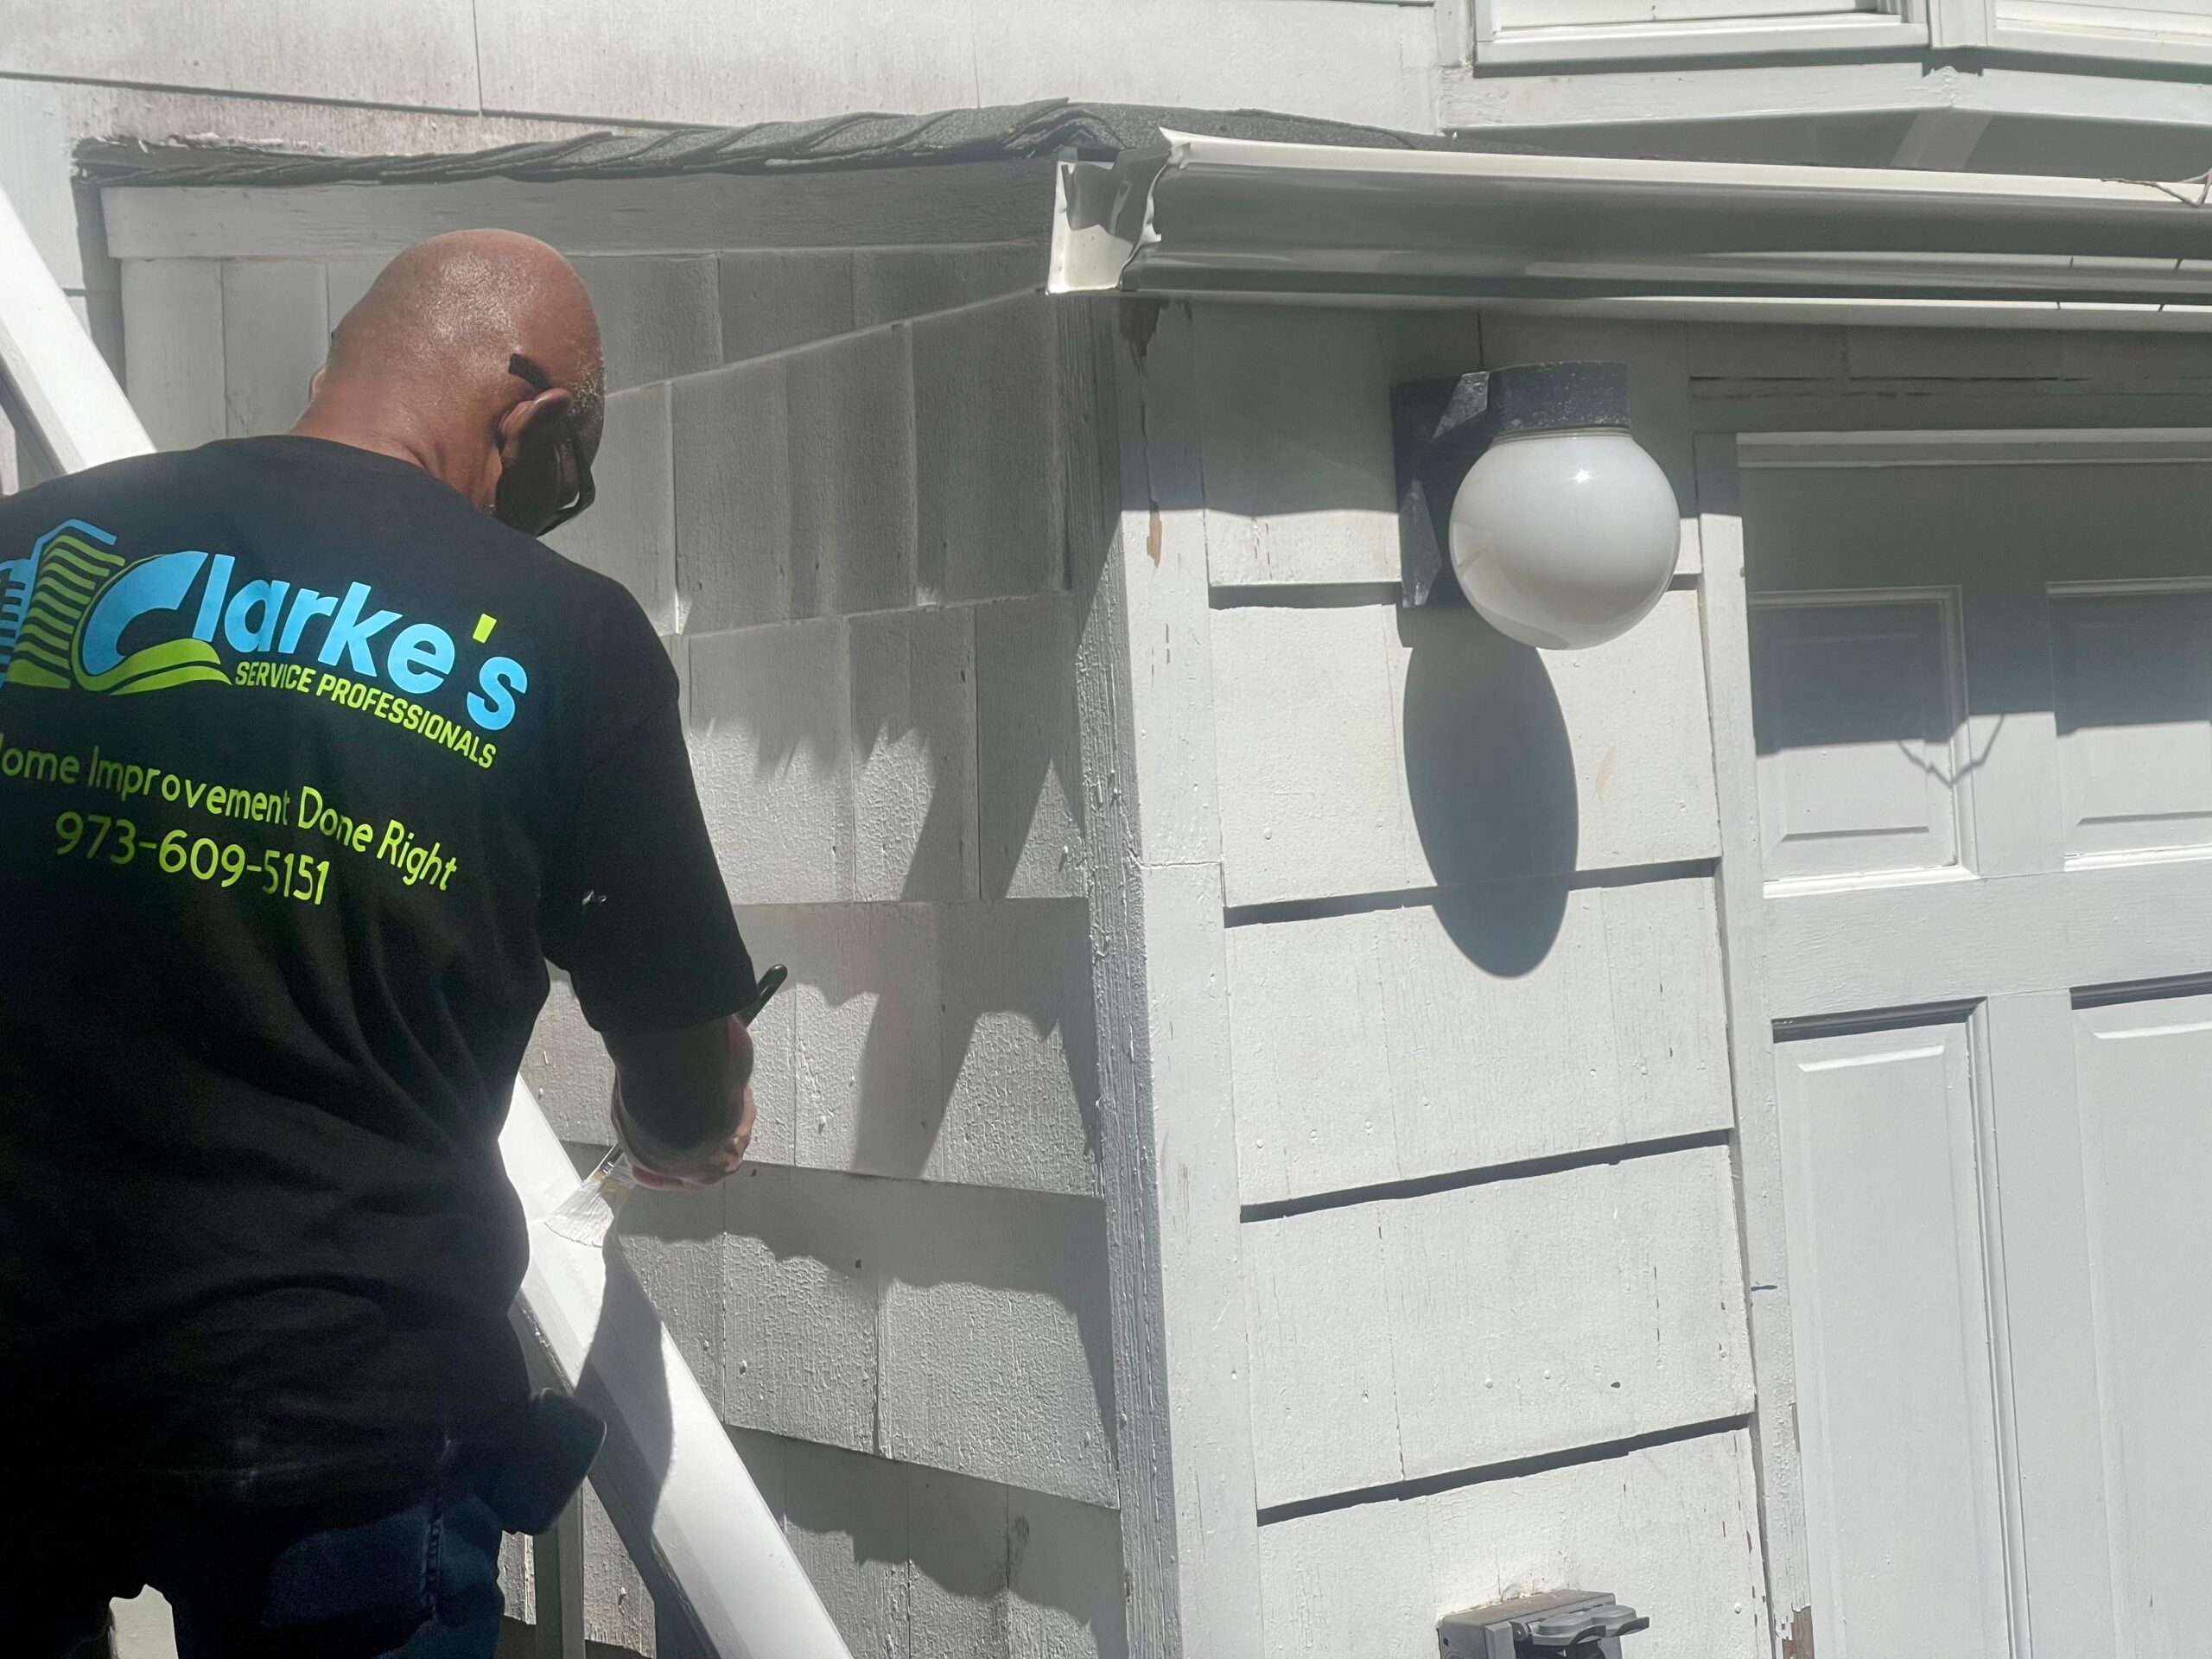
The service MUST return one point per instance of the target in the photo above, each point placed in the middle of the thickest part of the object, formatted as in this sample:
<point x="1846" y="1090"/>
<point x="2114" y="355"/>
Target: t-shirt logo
<point x="75" y="614"/>
<point x="77" y="595"/>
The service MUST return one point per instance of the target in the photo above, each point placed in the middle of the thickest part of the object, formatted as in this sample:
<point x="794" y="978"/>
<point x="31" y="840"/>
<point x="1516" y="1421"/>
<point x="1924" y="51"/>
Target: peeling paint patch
<point x="1798" y="1643"/>
<point x="1152" y="537"/>
<point x="1139" y="322"/>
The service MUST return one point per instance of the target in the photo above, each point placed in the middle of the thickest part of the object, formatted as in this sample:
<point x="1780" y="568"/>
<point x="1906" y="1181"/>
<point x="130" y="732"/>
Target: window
<point x="2151" y="30"/>
<point x="1569" y="14"/>
<point x="1508" y="31"/>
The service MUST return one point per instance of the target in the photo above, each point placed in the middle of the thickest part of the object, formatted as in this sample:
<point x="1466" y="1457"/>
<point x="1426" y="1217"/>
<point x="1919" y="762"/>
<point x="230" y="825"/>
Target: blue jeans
<point x="417" y="1581"/>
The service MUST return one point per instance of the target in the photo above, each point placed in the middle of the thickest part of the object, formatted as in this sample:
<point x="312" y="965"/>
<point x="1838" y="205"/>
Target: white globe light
<point x="1563" y="539"/>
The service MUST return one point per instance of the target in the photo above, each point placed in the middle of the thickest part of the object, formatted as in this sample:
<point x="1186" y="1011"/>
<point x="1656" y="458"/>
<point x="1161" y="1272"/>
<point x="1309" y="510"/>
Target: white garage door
<point x="1982" y="696"/>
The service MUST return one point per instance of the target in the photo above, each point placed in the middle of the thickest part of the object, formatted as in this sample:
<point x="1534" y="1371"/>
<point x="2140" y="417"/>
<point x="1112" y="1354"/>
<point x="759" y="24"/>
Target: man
<point x="310" y="757"/>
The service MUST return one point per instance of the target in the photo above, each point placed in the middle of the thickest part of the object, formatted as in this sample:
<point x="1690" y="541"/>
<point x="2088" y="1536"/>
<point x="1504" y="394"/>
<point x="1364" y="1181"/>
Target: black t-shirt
<point x="306" y="768"/>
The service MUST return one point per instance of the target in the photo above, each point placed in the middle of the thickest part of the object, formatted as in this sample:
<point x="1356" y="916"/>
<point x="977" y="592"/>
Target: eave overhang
<point x="1329" y="224"/>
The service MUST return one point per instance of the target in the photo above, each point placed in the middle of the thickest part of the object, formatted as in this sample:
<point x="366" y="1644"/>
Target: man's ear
<point x="517" y="421"/>
<point x="314" y="382"/>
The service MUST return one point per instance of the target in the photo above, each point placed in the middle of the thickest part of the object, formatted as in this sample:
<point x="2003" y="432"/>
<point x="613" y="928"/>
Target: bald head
<point x="423" y="365"/>
<point x="450" y="312"/>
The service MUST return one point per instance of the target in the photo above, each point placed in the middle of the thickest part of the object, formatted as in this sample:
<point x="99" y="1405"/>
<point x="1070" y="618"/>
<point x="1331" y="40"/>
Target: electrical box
<point x="1562" y="1625"/>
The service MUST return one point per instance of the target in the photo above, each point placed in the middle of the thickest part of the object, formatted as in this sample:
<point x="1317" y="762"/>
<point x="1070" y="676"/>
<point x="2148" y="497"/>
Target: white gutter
<point x="670" y="1478"/>
<point x="1231" y="217"/>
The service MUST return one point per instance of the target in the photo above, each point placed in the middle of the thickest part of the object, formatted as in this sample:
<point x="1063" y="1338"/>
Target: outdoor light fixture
<point x="1562" y="531"/>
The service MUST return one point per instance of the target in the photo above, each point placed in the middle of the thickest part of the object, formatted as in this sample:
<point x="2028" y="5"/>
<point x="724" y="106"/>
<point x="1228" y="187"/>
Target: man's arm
<point x="684" y="1101"/>
<point x="632" y="904"/>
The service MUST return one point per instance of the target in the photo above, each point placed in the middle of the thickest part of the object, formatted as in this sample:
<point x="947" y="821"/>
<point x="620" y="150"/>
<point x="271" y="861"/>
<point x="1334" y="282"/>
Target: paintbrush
<point x="587" y="1215"/>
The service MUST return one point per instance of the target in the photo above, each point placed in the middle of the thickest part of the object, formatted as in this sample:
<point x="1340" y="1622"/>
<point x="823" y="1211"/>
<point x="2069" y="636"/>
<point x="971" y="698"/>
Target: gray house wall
<point x="1506" y="1213"/>
<point x="1483" y="1225"/>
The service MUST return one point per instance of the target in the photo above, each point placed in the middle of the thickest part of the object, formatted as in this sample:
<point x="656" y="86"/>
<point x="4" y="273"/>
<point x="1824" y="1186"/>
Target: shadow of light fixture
<point x="1559" y="529"/>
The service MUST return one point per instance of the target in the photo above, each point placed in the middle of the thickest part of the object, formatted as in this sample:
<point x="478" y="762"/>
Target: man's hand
<point x="682" y="1102"/>
<point x="722" y="1164"/>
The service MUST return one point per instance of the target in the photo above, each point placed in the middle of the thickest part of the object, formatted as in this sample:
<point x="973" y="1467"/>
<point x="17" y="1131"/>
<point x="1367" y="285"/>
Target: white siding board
<point x="986" y="403"/>
<point x="1028" y="751"/>
<point x="406" y="52"/>
<point x="630" y="534"/>
<point x="944" y="1043"/>
<point x="798" y="1324"/>
<point x="913" y="736"/>
<point x="1316" y="1358"/>
<point x="1021" y="1061"/>
<point x="172" y="316"/>
<point x="849" y="429"/>
<point x="1627" y="996"/>
<point x="733" y="500"/>
<point x="705" y="212"/>
<point x="1312" y="773"/>
<point x="658" y="318"/>
<point x="1383" y="1610"/>
<point x="846" y="1517"/>
<point x="1774" y="352"/>
<point x="1302" y="997"/>
<point x="889" y="284"/>
<point x="1634" y="715"/>
<point x="276" y="334"/>
<point x="994" y="1341"/>
<point x="1941" y="354"/>
<point x="1064" y="1562"/>
<point x="1364" y="749"/>
<point x="959" y="1328"/>
<point x="771" y="748"/>
<point x="1672" y="1529"/>
<point x="1521" y="1318"/>
<point x="936" y="1566"/>
<point x="1295" y="406"/>
<point x="1353" y="62"/>
<point x="957" y="1539"/>
<point x="1566" y="1310"/>
<point x="773" y="299"/>
<point x="1669" y="1008"/>
<point x="866" y="999"/>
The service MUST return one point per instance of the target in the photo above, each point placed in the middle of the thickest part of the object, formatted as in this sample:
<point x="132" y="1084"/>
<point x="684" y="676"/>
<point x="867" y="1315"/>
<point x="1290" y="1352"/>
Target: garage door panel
<point x="2132" y="681"/>
<point x="2144" y="1069"/>
<point x="1889" y="1297"/>
<point x="1855" y="711"/>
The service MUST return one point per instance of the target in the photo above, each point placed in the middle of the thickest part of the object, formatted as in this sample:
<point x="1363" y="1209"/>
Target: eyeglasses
<point x="574" y="499"/>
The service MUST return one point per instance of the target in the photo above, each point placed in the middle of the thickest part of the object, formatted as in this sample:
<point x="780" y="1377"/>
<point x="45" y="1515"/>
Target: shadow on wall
<point x="1490" y="775"/>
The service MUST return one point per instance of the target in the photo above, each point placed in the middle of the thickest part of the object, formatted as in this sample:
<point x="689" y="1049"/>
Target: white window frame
<point x="2047" y="41"/>
<point x="1904" y="27"/>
